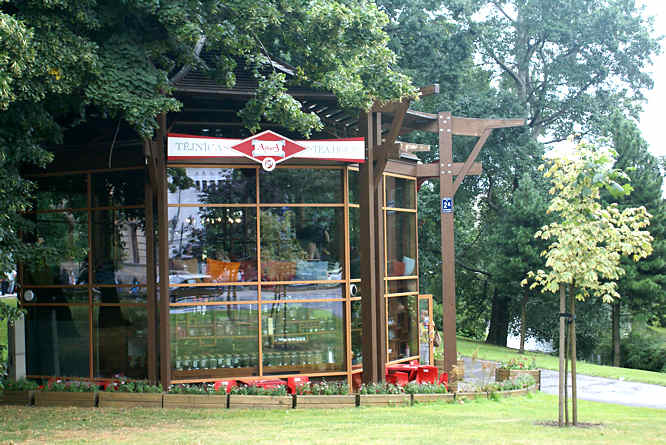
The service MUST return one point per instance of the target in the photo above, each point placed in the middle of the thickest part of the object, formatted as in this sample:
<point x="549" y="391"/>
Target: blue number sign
<point x="447" y="205"/>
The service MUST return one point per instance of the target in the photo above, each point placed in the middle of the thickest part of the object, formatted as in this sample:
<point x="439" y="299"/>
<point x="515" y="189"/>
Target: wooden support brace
<point x="471" y="158"/>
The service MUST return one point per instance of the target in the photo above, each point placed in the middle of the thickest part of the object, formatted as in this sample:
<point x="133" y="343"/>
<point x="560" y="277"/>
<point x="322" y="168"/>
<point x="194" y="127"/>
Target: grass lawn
<point x="507" y="421"/>
<point x="3" y="329"/>
<point x="483" y="351"/>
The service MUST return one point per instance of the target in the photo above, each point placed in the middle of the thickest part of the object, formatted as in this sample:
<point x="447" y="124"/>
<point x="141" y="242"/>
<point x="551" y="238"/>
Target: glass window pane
<point x="354" y="186"/>
<point x="119" y="246"/>
<point x="66" y="234"/>
<point x="58" y="295"/>
<point x="133" y="294"/>
<point x="354" y="242"/>
<point x="198" y="185"/>
<point x="214" y="341"/>
<point x="302" y="244"/>
<point x="426" y="331"/>
<point x="356" y="332"/>
<point x="303" y="337"/>
<point x="400" y="193"/>
<point x="302" y="291"/>
<point x="120" y="346"/>
<point x="61" y="192"/>
<point x="213" y="293"/>
<point x="402" y="332"/>
<point x="119" y="188"/>
<point x="301" y="185"/>
<point x="400" y="286"/>
<point x="212" y="244"/>
<point x="57" y="341"/>
<point x="401" y="243"/>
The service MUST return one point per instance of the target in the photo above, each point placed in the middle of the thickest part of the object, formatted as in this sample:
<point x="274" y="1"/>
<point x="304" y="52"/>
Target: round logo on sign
<point x="268" y="164"/>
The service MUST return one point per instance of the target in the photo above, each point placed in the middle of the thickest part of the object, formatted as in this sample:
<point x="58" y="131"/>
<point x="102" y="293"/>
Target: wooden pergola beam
<point x="425" y="171"/>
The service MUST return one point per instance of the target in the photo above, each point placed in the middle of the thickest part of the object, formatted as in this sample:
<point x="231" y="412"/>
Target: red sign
<point x="268" y="148"/>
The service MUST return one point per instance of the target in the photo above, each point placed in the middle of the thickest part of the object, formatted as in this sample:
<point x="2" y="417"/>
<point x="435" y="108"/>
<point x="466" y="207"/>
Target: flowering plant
<point x="323" y="389"/>
<point x="519" y="363"/>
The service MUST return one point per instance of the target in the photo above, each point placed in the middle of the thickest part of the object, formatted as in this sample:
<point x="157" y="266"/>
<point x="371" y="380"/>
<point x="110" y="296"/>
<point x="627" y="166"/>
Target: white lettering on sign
<point x="268" y="148"/>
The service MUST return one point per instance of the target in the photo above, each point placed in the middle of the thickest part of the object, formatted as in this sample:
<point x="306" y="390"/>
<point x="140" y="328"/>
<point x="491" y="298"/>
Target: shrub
<point x="521" y="362"/>
<point x="245" y="390"/>
<point x="323" y="389"/>
<point x="643" y="349"/>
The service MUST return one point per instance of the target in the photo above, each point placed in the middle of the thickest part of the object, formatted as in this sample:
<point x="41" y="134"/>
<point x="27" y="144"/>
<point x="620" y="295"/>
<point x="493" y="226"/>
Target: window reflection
<point x="214" y="341"/>
<point x="302" y="337"/>
<point x="302" y="291"/>
<point x="402" y="328"/>
<point x="118" y="188"/>
<point x="400" y="192"/>
<point x="61" y="192"/>
<point x="302" y="244"/>
<point x="401" y="243"/>
<point x="301" y="185"/>
<point x="212" y="244"/>
<point x="211" y="294"/>
<point x="199" y="185"/>
<point x="120" y="341"/>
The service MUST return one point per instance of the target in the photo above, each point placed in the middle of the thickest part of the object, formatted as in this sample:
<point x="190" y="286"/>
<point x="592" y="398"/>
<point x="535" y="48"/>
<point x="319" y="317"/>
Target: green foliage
<point x="135" y="387"/>
<point x="246" y="390"/>
<point x="19" y="385"/>
<point x="62" y="386"/>
<point x="588" y="240"/>
<point x="323" y="389"/>
<point x="425" y="388"/>
<point x="188" y="389"/>
<point x="520" y="362"/>
<point x="643" y="348"/>
<point x="380" y="388"/>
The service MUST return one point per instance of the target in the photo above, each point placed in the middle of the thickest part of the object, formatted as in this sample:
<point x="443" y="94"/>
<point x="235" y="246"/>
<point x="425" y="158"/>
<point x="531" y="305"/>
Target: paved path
<point x="597" y="389"/>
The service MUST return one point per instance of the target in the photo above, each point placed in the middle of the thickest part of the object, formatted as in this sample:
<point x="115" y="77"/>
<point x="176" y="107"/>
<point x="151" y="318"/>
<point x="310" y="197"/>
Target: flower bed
<point x="131" y="394"/>
<point x="253" y="397"/>
<point x="21" y="392"/>
<point x="324" y="395"/>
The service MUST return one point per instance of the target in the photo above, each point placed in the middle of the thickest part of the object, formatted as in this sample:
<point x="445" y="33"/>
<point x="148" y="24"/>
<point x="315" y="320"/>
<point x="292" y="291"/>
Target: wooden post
<point x="563" y="308"/>
<point x="572" y="339"/>
<point x="380" y="260"/>
<point x="446" y="191"/>
<point x="163" y="254"/>
<point x="150" y="274"/>
<point x="368" y="256"/>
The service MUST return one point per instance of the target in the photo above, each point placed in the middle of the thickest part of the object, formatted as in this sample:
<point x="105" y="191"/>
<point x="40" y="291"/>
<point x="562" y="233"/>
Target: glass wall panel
<point x="119" y="246"/>
<point x="66" y="236"/>
<point x="356" y="333"/>
<point x="214" y="341"/>
<point x="400" y="286"/>
<point x="401" y="243"/>
<point x="354" y="186"/>
<point x="118" y="188"/>
<point x="61" y="192"/>
<point x="354" y="242"/>
<point x="400" y="192"/>
<point x="58" y="295"/>
<point x="199" y="185"/>
<point x="302" y="291"/>
<point x="120" y="347"/>
<point x="125" y="294"/>
<point x="57" y="341"/>
<point x="205" y="294"/>
<point x="303" y="337"/>
<point x="303" y="243"/>
<point x="402" y="327"/>
<point x="212" y="244"/>
<point x="301" y="185"/>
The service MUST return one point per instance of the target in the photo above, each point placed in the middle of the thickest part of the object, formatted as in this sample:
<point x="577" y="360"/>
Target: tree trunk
<point x="567" y="354"/>
<point x="523" y="316"/>
<point x="572" y="340"/>
<point x="616" y="332"/>
<point x="499" y="320"/>
<point x="562" y="348"/>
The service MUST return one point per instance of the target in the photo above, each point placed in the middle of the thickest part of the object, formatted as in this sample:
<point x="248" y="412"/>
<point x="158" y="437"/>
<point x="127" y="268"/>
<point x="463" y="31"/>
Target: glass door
<point x="426" y="330"/>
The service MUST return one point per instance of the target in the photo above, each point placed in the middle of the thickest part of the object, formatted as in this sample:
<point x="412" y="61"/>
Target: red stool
<point x="426" y="374"/>
<point x="397" y="378"/>
<point x="295" y="382"/>
<point x="444" y="380"/>
<point x="226" y="385"/>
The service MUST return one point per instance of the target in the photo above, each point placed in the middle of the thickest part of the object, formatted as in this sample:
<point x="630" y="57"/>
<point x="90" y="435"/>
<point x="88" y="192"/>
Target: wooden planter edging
<point x="57" y="398"/>
<point x="332" y="401"/>
<point x="209" y="401"/>
<point x="130" y="400"/>
<point x="385" y="399"/>
<point x="17" y="398"/>
<point x="262" y="402"/>
<point x="502" y="374"/>
<point x="427" y="398"/>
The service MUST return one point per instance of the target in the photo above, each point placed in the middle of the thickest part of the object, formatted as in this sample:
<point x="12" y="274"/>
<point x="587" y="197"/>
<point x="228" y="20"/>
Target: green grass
<point x="3" y="329"/>
<point x="483" y="351"/>
<point x="508" y="421"/>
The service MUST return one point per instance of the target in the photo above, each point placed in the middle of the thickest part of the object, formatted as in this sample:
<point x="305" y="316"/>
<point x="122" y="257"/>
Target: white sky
<point x="652" y="118"/>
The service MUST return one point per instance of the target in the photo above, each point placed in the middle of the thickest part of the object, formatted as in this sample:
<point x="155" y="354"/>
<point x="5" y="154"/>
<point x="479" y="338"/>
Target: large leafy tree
<point x="568" y="63"/>
<point x="643" y="287"/>
<point x="62" y="60"/>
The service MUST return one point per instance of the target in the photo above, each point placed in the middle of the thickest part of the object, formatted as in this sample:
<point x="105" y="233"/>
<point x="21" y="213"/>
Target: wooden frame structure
<point x="209" y="107"/>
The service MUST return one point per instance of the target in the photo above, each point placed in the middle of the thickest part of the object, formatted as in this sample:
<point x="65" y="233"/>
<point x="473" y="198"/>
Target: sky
<point x="652" y="118"/>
